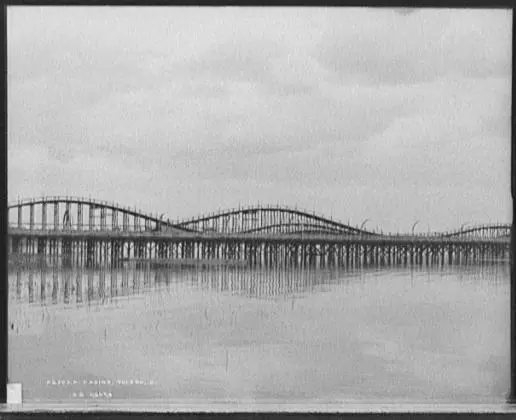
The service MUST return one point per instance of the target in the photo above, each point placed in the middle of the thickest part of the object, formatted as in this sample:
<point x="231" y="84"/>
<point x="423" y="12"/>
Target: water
<point x="231" y="334"/>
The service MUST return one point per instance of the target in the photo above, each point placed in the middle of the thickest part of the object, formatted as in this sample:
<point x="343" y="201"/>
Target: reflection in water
<point x="242" y="333"/>
<point x="18" y="284"/>
<point x="252" y="283"/>
<point x="55" y="284"/>
<point x="31" y="287"/>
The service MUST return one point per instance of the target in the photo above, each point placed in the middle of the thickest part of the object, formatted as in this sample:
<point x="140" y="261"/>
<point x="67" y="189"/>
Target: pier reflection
<point x="43" y="286"/>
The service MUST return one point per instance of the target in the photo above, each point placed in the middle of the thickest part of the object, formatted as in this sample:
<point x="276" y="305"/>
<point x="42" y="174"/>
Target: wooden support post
<point x="44" y="215"/>
<point x="31" y="211"/>
<point x="79" y="217"/>
<point x="56" y="215"/>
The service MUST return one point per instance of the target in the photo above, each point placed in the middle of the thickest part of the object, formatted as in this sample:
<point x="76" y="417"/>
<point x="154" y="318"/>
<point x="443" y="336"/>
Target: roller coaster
<point x="92" y="232"/>
<point x="70" y="212"/>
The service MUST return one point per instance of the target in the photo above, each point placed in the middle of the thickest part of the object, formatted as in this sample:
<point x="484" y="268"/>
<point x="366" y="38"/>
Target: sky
<point x="391" y="115"/>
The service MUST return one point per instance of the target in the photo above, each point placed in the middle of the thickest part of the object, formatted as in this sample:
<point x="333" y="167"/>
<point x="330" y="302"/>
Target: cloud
<point x="405" y="10"/>
<point x="459" y="141"/>
<point x="380" y="49"/>
<point x="201" y="109"/>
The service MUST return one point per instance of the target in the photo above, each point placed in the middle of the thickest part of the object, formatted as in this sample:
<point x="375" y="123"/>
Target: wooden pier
<point x="265" y="236"/>
<point x="113" y="248"/>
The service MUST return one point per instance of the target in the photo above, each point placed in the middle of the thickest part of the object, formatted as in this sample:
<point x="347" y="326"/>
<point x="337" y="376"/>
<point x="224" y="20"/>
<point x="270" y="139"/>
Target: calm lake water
<point x="233" y="334"/>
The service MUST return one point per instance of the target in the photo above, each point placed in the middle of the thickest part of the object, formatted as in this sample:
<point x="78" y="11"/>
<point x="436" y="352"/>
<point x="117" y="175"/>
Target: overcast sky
<point x="390" y="115"/>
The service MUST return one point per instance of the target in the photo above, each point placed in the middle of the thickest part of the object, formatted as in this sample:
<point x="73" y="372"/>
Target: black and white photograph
<point x="250" y="207"/>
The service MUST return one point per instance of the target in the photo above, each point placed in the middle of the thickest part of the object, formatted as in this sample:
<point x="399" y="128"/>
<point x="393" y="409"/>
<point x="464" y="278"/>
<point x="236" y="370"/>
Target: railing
<point x="89" y="201"/>
<point x="281" y="208"/>
<point x="84" y="227"/>
<point x="166" y="225"/>
<point x="365" y="239"/>
<point x="469" y="231"/>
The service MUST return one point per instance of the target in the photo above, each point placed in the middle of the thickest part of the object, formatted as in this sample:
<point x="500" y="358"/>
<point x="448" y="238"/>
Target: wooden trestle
<point x="90" y="249"/>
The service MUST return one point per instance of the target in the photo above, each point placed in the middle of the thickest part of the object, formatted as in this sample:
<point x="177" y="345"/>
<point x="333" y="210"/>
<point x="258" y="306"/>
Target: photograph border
<point x="410" y="410"/>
